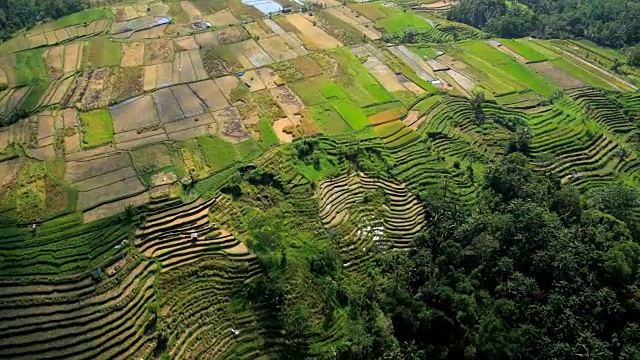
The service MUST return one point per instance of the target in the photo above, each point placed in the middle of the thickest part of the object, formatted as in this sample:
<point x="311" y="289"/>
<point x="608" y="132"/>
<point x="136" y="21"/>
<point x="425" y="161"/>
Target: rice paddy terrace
<point x="144" y="145"/>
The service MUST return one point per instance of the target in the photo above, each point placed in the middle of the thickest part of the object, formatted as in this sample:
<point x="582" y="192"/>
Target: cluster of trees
<point x="534" y="271"/>
<point x="20" y="14"/>
<point x="611" y="23"/>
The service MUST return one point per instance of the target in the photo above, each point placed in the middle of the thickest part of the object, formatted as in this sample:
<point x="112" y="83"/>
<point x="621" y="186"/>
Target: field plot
<point x="250" y="55"/>
<point x="103" y="53"/>
<point x="313" y="37"/>
<point x="366" y="226"/>
<point x="134" y="114"/>
<point x="193" y="13"/>
<point x="221" y="37"/>
<point x="86" y="90"/>
<point x="186" y="43"/>
<point x="221" y="19"/>
<point x="231" y="126"/>
<point x="158" y="51"/>
<point x="97" y="128"/>
<point x="56" y="91"/>
<point x="277" y="48"/>
<point x="383" y="73"/>
<point x="357" y="21"/>
<point x="549" y="70"/>
<point x="132" y="54"/>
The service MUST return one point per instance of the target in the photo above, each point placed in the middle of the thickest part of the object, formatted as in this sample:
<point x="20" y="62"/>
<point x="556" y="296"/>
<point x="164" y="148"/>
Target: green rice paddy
<point x="97" y="128"/>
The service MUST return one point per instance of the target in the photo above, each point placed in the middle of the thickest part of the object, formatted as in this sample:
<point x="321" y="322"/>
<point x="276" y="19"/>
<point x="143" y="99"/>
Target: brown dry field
<point x="220" y="37"/>
<point x="252" y="78"/>
<point x="254" y="53"/>
<point x="410" y="85"/>
<point x="383" y="74"/>
<point x="230" y="125"/>
<point x="188" y="101"/>
<point x="113" y="208"/>
<point x="211" y="94"/>
<point x="386" y="116"/>
<point x="186" y="43"/>
<point x="357" y="21"/>
<point x="287" y="100"/>
<point x="122" y="188"/>
<point x="8" y="169"/>
<point x="257" y="31"/>
<point x="149" y="82"/>
<point x="466" y="83"/>
<point x="153" y="33"/>
<point x="82" y="170"/>
<point x="164" y="74"/>
<point x="183" y="70"/>
<point x="549" y="70"/>
<point x="313" y="36"/>
<point x="45" y="126"/>
<point x="191" y="122"/>
<point x="54" y="59"/>
<point x="437" y="65"/>
<point x="47" y="152"/>
<point x="105" y="179"/>
<point x="144" y="139"/>
<point x="279" y="127"/>
<point x="73" y="56"/>
<point x="50" y="37"/>
<point x="221" y="18"/>
<point x="268" y="77"/>
<point x="438" y="5"/>
<point x="133" y="54"/>
<point x="227" y="84"/>
<point x="198" y="66"/>
<point x="158" y="51"/>
<point x="277" y="48"/>
<point x="136" y="135"/>
<point x="167" y="106"/>
<point x="194" y="14"/>
<point x="136" y="114"/>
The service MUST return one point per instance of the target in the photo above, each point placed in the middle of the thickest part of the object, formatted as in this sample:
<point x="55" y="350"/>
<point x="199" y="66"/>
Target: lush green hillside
<point x="367" y="182"/>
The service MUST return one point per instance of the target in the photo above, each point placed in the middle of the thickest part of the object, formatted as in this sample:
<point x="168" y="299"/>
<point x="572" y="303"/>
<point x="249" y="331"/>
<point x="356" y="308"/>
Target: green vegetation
<point x="268" y="136"/>
<point x="17" y="15"/>
<point x="526" y="49"/>
<point x="83" y="17"/>
<point x="29" y="68"/>
<point x="351" y="113"/>
<point x="97" y="128"/>
<point x="609" y="23"/>
<point x="329" y="120"/>
<point x="104" y="52"/>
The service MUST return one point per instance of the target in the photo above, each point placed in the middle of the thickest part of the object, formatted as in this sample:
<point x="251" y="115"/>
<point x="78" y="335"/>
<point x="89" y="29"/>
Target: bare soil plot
<point x="384" y="75"/>
<point x="144" y="139"/>
<point x="290" y="38"/>
<point x="414" y="61"/>
<point x="153" y="33"/>
<point x="8" y="170"/>
<point x="220" y="37"/>
<point x="113" y="208"/>
<point x="73" y="56"/>
<point x="138" y="134"/>
<point x="277" y="48"/>
<point x="168" y="108"/>
<point x="198" y="66"/>
<point x="437" y="65"/>
<point x="164" y="75"/>
<point x="133" y="54"/>
<point x="149" y="81"/>
<point x="258" y="32"/>
<point x="252" y="79"/>
<point x="158" y="51"/>
<point x="313" y="37"/>
<point x="204" y="121"/>
<point x="465" y="82"/>
<point x="194" y="14"/>
<point x="221" y="18"/>
<point x="186" y="43"/>
<point x="54" y="58"/>
<point x="227" y="84"/>
<point x="82" y="170"/>
<point x="250" y="54"/>
<point x="288" y="101"/>
<point x="230" y="125"/>
<point x="268" y="77"/>
<point x="183" y="70"/>
<point x="562" y="78"/>
<point x="357" y="21"/>
<point x="116" y="190"/>
<point x="209" y="92"/>
<point x="188" y="100"/>
<point x="134" y="114"/>
<point x="282" y="128"/>
<point x="47" y="152"/>
<point x="159" y="9"/>
<point x="105" y="179"/>
<point x="410" y="85"/>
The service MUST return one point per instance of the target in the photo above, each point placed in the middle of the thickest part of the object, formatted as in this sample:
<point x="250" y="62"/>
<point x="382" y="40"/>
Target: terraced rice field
<point x="136" y="165"/>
